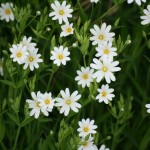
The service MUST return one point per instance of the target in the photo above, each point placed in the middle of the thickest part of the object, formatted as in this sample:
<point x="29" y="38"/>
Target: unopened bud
<point x="48" y="28"/>
<point x="74" y="44"/>
<point x="108" y="137"/>
<point x="38" y="13"/>
<point x="128" y="42"/>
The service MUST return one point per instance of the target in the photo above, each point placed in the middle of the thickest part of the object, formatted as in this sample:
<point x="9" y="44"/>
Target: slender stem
<point x="115" y="135"/>
<point x="84" y="60"/>
<point x="3" y="146"/>
<point x="31" y="21"/>
<point x="49" y="82"/>
<point x="16" y="139"/>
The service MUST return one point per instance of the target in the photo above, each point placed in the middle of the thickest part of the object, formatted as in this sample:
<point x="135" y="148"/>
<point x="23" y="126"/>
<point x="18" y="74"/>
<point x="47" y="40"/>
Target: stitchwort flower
<point x="33" y="59"/>
<point x="34" y="104"/>
<point x="101" y="35"/>
<point x="137" y="1"/>
<point x="61" y="11"/>
<point x="60" y="55"/>
<point x="105" y="94"/>
<point x="84" y="77"/>
<point x="47" y="101"/>
<point x="106" y="50"/>
<point x="6" y="12"/>
<point x="86" y="127"/>
<point x="67" y="29"/>
<point x="146" y="17"/>
<point x="148" y="106"/>
<point x="19" y="53"/>
<point x="68" y="101"/>
<point x="104" y="69"/>
<point x="86" y="144"/>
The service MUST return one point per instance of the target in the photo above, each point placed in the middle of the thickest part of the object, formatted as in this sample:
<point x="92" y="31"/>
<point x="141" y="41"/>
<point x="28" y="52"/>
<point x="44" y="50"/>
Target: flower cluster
<point x="40" y="103"/>
<point x="104" y="65"/>
<point x="62" y="12"/>
<point x="44" y="102"/>
<point x="26" y="53"/>
<point x="86" y="127"/>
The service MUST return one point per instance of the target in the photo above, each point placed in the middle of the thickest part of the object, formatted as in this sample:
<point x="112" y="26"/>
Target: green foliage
<point x="122" y="124"/>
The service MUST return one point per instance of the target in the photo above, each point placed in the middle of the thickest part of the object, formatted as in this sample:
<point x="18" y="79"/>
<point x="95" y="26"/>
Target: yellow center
<point x="106" y="51"/>
<point x="61" y="12"/>
<point x="31" y="58"/>
<point x="19" y="54"/>
<point x="85" y="76"/>
<point x="47" y="101"/>
<point x="60" y="56"/>
<point x="86" y="129"/>
<point x="38" y="104"/>
<point x="104" y="69"/>
<point x="103" y="93"/>
<point x="69" y="30"/>
<point x="68" y="102"/>
<point x="100" y="37"/>
<point x="7" y="11"/>
<point x="85" y="143"/>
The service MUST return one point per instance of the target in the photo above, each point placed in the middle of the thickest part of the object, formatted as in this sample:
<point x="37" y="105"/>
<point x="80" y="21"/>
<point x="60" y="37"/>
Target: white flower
<point x="106" y="50"/>
<point x="86" y="144"/>
<point x="6" y="12"/>
<point x="84" y="77"/>
<point x="61" y="11"/>
<point x="105" y="69"/>
<point x="47" y="101"/>
<point x="146" y="18"/>
<point x="103" y="147"/>
<point x="32" y="60"/>
<point x="101" y="35"/>
<point x="93" y="1"/>
<point x="27" y="42"/>
<point x="68" y="101"/>
<point x="60" y="55"/>
<point x="19" y="53"/>
<point x="105" y="94"/>
<point x="1" y="67"/>
<point x="86" y="127"/>
<point x="148" y="106"/>
<point x="67" y="29"/>
<point x="137" y="1"/>
<point x="34" y="104"/>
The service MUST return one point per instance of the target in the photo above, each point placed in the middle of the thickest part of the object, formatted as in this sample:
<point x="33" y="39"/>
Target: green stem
<point x="16" y="139"/>
<point x="49" y="82"/>
<point x="84" y="60"/>
<point x="3" y="146"/>
<point x="31" y="21"/>
<point x="115" y="135"/>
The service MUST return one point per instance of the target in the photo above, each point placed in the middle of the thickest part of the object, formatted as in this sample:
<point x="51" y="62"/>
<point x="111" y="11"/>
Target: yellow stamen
<point x="69" y="30"/>
<point x="60" y="56"/>
<point x="86" y="129"/>
<point x="38" y="104"/>
<point x="85" y="76"/>
<point x="100" y="37"/>
<point x="106" y="51"/>
<point x="68" y="102"/>
<point x="104" y="69"/>
<point x="85" y="143"/>
<point x="19" y="54"/>
<point x="31" y="59"/>
<point x="103" y="93"/>
<point x="7" y="11"/>
<point x="61" y="12"/>
<point x="47" y="101"/>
